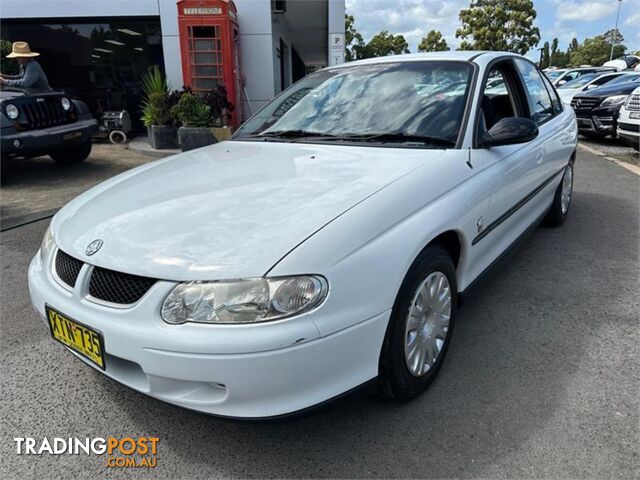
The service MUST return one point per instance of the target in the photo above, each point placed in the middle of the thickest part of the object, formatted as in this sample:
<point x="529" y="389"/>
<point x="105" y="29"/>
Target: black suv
<point x="597" y="110"/>
<point x="49" y="123"/>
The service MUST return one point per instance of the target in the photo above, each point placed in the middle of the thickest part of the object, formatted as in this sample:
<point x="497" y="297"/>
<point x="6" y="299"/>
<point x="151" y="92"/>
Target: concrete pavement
<point x="541" y="379"/>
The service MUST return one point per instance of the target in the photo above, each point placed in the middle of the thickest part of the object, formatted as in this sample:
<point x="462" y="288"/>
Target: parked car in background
<point x="629" y="120"/>
<point x="573" y="73"/>
<point x="553" y="73"/>
<point x="597" y="110"/>
<point x="591" y="81"/>
<point x="49" y="123"/>
<point x="373" y="194"/>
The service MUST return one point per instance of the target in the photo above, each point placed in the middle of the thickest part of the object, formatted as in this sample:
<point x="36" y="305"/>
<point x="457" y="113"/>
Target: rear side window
<point x="540" y="103"/>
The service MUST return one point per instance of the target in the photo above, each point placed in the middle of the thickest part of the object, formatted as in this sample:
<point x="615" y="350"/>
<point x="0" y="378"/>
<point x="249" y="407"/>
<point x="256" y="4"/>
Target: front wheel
<point x="562" y="199"/>
<point x="73" y="154"/>
<point x="420" y="326"/>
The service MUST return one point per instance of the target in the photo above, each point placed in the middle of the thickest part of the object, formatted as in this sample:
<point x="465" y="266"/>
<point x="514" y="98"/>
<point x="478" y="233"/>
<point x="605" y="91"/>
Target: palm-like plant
<point x="155" y="108"/>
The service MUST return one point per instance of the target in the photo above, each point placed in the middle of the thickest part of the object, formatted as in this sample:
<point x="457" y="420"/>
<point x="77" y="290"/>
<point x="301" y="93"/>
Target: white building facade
<point x="279" y="42"/>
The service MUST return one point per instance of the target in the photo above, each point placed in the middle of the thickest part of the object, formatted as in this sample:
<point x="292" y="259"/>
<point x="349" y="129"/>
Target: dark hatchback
<point x="597" y="110"/>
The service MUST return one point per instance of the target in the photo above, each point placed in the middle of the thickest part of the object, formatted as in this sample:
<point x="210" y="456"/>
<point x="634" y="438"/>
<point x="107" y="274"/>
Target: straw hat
<point x="21" y="49"/>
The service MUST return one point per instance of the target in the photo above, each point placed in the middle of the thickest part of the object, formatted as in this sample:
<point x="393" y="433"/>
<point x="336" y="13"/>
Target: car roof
<point x="458" y="55"/>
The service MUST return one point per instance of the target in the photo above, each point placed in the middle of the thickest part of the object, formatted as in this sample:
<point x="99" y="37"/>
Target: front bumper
<point x="599" y="120"/>
<point x="246" y="371"/>
<point x="629" y="128"/>
<point x="46" y="140"/>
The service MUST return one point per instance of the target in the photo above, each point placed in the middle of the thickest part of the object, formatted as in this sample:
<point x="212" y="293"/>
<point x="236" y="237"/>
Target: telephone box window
<point x="206" y="58"/>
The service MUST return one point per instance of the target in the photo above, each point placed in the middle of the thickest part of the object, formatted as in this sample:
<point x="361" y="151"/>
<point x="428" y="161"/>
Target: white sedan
<point x="324" y="247"/>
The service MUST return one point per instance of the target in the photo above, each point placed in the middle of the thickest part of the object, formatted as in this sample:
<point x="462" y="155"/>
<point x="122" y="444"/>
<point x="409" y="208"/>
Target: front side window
<point x="416" y="103"/>
<point x="540" y="103"/>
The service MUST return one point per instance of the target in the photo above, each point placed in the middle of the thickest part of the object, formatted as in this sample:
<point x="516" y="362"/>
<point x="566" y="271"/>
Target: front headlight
<point x="12" y="111"/>
<point x="244" y="301"/>
<point x="66" y="103"/>
<point x="615" y="100"/>
<point x="47" y="244"/>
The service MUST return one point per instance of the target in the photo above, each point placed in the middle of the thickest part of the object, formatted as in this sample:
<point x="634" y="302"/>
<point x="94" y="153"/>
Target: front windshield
<point x="580" y="81"/>
<point x="401" y="102"/>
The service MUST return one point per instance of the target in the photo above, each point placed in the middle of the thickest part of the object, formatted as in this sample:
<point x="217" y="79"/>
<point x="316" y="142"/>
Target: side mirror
<point x="509" y="131"/>
<point x="591" y="87"/>
<point x="562" y="82"/>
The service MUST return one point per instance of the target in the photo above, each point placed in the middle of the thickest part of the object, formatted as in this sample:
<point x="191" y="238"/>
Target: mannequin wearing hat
<point x="31" y="77"/>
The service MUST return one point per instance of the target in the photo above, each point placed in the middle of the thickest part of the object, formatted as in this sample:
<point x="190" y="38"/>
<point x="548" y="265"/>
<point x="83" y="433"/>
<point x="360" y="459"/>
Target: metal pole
<point x="615" y="30"/>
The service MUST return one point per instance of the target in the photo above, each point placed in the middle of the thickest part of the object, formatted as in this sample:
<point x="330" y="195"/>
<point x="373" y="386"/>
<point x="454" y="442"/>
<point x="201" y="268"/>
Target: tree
<point x="8" y="66"/>
<point x="613" y="35"/>
<point x="499" y="25"/>
<point x="385" y="43"/>
<point x="544" y="60"/>
<point x="354" y="43"/>
<point x="594" y="51"/>
<point x="433" y="42"/>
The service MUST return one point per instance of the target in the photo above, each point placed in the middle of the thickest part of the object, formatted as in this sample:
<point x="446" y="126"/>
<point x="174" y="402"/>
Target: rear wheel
<point x="73" y="154"/>
<point x="420" y="326"/>
<point x="562" y="199"/>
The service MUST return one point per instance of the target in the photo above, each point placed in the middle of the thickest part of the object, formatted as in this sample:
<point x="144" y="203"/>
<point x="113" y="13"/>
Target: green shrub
<point x="191" y="111"/>
<point x="7" y="65"/>
<point x="156" y="109"/>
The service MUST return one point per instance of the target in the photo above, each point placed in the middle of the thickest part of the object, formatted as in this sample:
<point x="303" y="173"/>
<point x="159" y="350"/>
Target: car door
<point x="513" y="172"/>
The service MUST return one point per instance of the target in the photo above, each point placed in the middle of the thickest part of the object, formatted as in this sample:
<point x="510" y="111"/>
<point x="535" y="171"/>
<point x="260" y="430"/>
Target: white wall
<point x="282" y="30"/>
<point x="256" y="50"/>
<point x="76" y="8"/>
<point x="171" y="42"/>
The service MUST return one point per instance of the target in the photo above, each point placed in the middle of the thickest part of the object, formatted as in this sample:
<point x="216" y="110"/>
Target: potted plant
<point x="221" y="109"/>
<point x="195" y="117"/>
<point x="156" y="111"/>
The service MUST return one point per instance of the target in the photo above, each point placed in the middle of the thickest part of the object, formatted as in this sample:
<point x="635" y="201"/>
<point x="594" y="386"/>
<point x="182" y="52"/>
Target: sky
<point x="564" y="19"/>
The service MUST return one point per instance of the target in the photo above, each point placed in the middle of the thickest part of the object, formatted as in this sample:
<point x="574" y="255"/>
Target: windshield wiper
<point x="291" y="134"/>
<point x="400" y="137"/>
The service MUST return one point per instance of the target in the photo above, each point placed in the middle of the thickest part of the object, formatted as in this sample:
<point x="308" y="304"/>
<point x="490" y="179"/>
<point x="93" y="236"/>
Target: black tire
<point x="396" y="380"/>
<point x="556" y="216"/>
<point x="72" y="155"/>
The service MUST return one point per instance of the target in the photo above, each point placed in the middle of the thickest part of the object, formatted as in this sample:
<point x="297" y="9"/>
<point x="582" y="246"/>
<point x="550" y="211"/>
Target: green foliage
<point x="545" y="58"/>
<point x="156" y="110"/>
<point x="153" y="81"/>
<point x="354" y="43"/>
<point x="433" y="42"/>
<point x="191" y="111"/>
<point x="7" y="65"/>
<point x="155" y="103"/>
<point x="499" y="25"/>
<point x="383" y="44"/>
<point x="595" y="51"/>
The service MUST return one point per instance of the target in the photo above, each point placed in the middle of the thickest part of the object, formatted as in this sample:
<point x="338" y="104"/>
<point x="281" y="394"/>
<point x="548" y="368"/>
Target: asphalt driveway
<point x="542" y="377"/>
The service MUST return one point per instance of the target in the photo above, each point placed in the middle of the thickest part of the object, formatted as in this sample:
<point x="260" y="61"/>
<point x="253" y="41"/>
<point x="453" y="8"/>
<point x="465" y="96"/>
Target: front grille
<point x="116" y="287"/>
<point x="629" y="127"/>
<point x="67" y="268"/>
<point x="634" y="102"/>
<point x="585" y="103"/>
<point x="42" y="112"/>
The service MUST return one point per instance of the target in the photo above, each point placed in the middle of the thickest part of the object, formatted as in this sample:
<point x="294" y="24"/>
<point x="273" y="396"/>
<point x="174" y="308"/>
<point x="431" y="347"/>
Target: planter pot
<point x="195" y="137"/>
<point x="221" y="133"/>
<point x="162" y="136"/>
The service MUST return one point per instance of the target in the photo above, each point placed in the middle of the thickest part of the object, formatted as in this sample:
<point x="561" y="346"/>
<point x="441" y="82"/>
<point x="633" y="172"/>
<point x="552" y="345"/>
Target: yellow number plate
<point x="80" y="338"/>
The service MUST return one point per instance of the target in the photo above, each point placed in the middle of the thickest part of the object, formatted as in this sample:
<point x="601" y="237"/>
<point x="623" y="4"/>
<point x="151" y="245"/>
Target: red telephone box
<point x="210" y="47"/>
